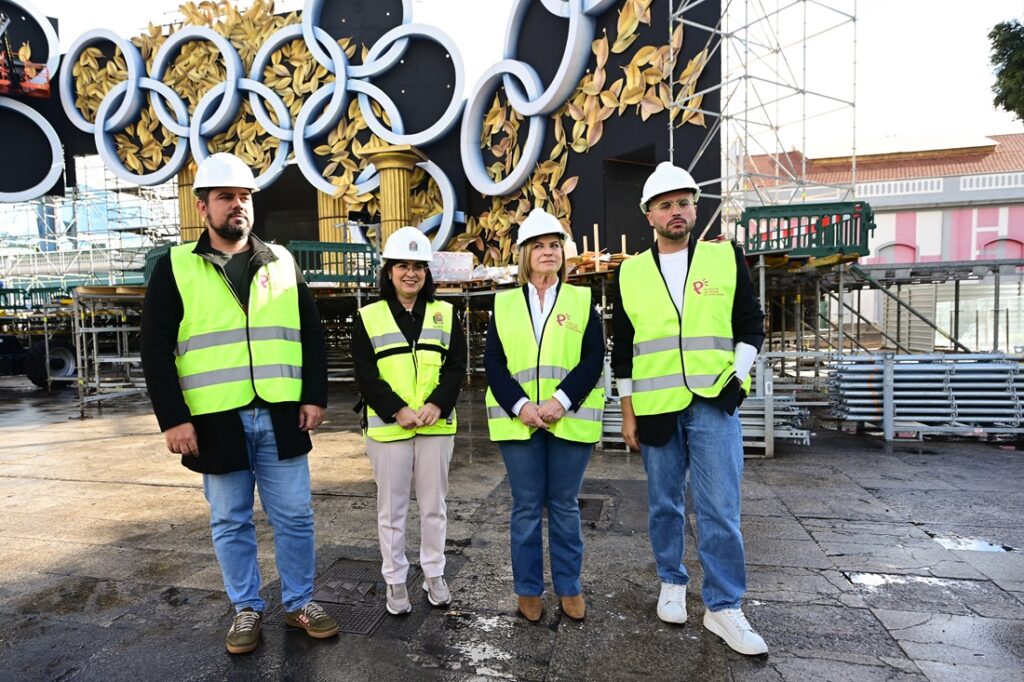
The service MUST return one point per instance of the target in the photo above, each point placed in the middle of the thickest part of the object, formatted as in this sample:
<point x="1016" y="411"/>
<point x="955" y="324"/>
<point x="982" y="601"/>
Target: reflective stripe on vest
<point x="540" y="370"/>
<point x="225" y="355"/>
<point x="666" y="344"/>
<point x="200" y="341"/>
<point x="413" y="374"/>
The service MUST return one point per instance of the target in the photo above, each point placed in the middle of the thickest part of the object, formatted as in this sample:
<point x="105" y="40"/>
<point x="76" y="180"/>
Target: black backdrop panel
<point x="611" y="174"/>
<point x="25" y="153"/>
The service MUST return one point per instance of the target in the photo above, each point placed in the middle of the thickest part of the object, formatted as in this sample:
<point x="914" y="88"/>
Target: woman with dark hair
<point x="409" y="353"/>
<point x="544" y="356"/>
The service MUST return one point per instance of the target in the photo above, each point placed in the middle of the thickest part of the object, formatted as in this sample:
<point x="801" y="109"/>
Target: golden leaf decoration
<point x="600" y="50"/>
<point x="622" y="44"/>
<point x="644" y="55"/>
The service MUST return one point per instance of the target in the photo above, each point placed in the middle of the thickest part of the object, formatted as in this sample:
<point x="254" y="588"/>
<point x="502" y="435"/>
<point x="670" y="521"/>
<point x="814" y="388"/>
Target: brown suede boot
<point x="531" y="608"/>
<point x="574" y="607"/>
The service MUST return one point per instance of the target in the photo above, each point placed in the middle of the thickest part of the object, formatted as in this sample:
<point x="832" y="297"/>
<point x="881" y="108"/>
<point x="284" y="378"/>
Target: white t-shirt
<point x="673" y="268"/>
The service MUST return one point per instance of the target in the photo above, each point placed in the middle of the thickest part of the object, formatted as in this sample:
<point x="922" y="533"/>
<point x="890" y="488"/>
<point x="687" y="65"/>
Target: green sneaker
<point x="244" y="635"/>
<point x="314" y="620"/>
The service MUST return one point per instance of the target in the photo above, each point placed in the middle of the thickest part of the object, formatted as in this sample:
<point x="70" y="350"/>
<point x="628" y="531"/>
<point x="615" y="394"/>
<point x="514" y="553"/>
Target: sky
<point x="922" y="66"/>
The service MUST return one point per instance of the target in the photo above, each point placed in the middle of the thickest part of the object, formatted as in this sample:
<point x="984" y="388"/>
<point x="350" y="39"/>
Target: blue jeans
<point x="285" y="495"/>
<point x="546" y="471"/>
<point x="708" y="443"/>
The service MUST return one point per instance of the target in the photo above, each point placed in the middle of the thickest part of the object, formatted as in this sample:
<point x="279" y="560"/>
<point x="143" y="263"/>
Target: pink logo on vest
<point x="566" y="321"/>
<point x="264" y="281"/>
<point x="703" y="288"/>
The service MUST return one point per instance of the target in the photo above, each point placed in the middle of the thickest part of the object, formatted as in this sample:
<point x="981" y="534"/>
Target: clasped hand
<point x="541" y="416"/>
<point x="409" y="418"/>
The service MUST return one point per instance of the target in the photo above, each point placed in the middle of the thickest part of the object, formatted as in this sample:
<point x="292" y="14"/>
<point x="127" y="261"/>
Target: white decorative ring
<point x="473" y="126"/>
<point x="105" y="140"/>
<point x="570" y="69"/>
<point x="451" y="114"/>
<point x="56" y="152"/>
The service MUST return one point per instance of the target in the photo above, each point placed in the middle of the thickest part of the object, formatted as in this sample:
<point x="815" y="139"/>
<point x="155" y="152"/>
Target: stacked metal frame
<point x="969" y="394"/>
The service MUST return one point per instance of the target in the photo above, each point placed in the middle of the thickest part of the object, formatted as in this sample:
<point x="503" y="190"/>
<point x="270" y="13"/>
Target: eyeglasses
<point x="664" y="206"/>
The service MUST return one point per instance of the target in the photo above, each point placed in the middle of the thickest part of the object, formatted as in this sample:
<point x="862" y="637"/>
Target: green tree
<point x="1008" y="59"/>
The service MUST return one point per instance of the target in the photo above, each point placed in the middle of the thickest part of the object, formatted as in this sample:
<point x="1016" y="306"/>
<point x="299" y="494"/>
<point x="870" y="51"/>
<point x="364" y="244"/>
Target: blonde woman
<point x="544" y="356"/>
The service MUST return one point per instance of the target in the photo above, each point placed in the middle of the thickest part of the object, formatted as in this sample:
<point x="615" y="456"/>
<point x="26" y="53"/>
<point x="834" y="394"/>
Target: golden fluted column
<point x="192" y="224"/>
<point x="395" y="164"/>
<point x="332" y="220"/>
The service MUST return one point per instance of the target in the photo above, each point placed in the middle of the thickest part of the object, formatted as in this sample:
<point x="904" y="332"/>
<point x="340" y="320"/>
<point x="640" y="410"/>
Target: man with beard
<point x="687" y="328"/>
<point x="236" y="367"/>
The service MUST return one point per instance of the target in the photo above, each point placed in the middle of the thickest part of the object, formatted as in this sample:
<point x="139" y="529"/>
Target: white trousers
<point x="395" y="465"/>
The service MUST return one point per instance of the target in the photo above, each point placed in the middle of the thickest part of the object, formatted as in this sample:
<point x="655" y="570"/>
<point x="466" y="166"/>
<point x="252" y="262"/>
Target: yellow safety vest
<point x="412" y="371"/>
<point x="677" y="356"/>
<point x="539" y="370"/>
<point x="227" y="356"/>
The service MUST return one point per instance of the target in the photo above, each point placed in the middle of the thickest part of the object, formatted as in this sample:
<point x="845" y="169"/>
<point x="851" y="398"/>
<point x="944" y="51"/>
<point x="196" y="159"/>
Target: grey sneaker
<point x="244" y="635"/>
<point x="314" y="620"/>
<point x="437" y="591"/>
<point x="398" y="600"/>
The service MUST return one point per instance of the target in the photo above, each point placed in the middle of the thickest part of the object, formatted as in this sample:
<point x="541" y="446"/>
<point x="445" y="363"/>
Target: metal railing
<point x="807" y="230"/>
<point x="330" y="262"/>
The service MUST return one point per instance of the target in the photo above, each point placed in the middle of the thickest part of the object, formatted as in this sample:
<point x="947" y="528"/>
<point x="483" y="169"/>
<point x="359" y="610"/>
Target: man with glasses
<point x="687" y="327"/>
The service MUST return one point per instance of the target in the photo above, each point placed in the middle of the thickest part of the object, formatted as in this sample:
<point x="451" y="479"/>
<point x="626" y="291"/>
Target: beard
<point x="231" y="231"/>
<point x="675" y="234"/>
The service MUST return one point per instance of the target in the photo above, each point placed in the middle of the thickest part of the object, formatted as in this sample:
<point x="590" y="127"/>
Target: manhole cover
<point x="591" y="507"/>
<point x="353" y="593"/>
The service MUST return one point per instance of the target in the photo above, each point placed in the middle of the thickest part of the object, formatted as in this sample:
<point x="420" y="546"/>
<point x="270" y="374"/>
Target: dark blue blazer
<point x="577" y="385"/>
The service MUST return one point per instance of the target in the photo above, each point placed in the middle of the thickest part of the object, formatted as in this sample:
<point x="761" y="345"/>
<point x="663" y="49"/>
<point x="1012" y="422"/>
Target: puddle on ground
<point x="874" y="580"/>
<point x="970" y="544"/>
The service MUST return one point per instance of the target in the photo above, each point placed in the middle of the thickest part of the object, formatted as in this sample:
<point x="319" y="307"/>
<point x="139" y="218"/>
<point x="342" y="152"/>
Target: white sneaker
<point x="398" y="600"/>
<point x="732" y="626"/>
<point x="437" y="591"/>
<point x="672" y="603"/>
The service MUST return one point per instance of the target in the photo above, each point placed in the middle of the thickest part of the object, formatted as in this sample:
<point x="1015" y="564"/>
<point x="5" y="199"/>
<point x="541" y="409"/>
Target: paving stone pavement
<point x="856" y="565"/>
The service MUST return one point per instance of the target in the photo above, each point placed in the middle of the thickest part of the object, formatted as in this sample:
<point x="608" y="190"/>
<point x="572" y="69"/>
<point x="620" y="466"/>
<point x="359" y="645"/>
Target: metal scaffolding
<point x="776" y="100"/>
<point x="98" y="233"/>
<point x="107" y="327"/>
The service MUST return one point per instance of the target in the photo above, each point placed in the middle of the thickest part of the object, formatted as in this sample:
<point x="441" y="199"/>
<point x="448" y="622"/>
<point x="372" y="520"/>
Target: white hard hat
<point x="224" y="170"/>
<point x="539" y="223"/>
<point x="408" y="243"/>
<point x="667" y="178"/>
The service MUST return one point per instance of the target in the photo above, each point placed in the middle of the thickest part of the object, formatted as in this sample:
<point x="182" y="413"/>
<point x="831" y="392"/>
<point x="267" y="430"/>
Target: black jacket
<point x="577" y="385"/>
<point x="747" y="326"/>
<point x="377" y="393"/>
<point x="222" y="447"/>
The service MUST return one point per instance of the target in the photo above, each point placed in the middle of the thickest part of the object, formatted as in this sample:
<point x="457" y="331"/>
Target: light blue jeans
<point x="708" y="443"/>
<point x="285" y="495"/>
<point x="546" y="471"/>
